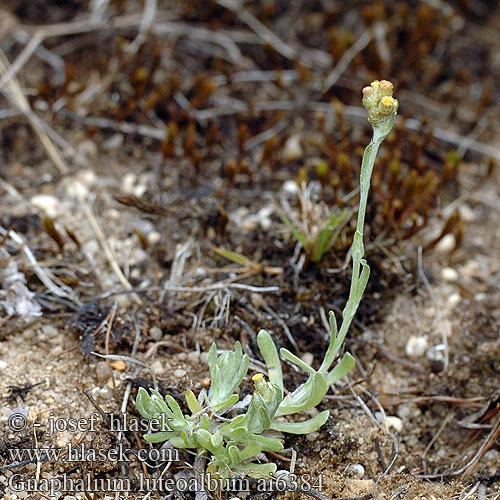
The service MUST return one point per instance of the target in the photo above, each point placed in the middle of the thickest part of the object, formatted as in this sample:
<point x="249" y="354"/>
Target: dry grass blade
<point x="19" y="99"/>
<point x="107" y="250"/>
<point x="50" y="281"/>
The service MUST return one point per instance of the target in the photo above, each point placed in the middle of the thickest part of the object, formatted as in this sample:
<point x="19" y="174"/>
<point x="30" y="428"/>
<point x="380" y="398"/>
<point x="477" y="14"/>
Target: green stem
<point x="380" y="132"/>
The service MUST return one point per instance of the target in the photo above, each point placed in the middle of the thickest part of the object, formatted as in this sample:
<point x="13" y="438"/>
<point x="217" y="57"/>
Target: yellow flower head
<point x="378" y="100"/>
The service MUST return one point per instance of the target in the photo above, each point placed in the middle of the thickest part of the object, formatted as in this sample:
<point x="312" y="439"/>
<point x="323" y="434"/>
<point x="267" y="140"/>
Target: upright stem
<point x="359" y="275"/>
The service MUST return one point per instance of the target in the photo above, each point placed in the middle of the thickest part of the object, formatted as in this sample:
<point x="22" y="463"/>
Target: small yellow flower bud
<point x="385" y="88"/>
<point x="387" y="103"/>
<point x="262" y="387"/>
<point x="259" y="383"/>
<point x="378" y="100"/>
<point x="369" y="97"/>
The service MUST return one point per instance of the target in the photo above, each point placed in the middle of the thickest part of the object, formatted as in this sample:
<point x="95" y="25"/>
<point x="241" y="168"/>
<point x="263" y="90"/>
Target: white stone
<point x="48" y="204"/>
<point x="128" y="182"/>
<point x="200" y="272"/>
<point x="155" y="332"/>
<point x="436" y="353"/>
<point x="471" y="268"/>
<point x="293" y="150"/>
<point x="193" y="356"/>
<point x="492" y="456"/>
<point x="88" y="148"/>
<point x="3" y="365"/>
<point x="153" y="237"/>
<point x="265" y="223"/>
<point x="446" y="245"/>
<point x="179" y="373"/>
<point x="449" y="274"/>
<point x="453" y="300"/>
<point x="50" y="330"/>
<point x="307" y="358"/>
<point x="357" y="470"/>
<point x="394" y="422"/>
<point x="416" y="346"/>
<point x="114" y="142"/>
<point x="157" y="367"/>
<point x="290" y="187"/>
<point x="467" y="214"/>
<point x="404" y="412"/>
<point x="313" y="436"/>
<point x="76" y="188"/>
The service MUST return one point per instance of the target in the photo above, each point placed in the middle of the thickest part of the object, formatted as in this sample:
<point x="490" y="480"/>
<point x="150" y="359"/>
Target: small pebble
<point x="156" y="333"/>
<point x="3" y="365"/>
<point x="114" y="142"/>
<point x="453" y="300"/>
<point x="492" y="456"/>
<point x="204" y="358"/>
<point x="106" y="392"/>
<point x="471" y="269"/>
<point x="265" y="223"/>
<point x="119" y="365"/>
<point x="257" y="300"/>
<point x="102" y="372"/>
<point x="128" y="182"/>
<point x="449" y="274"/>
<point x="76" y="188"/>
<point x="47" y="203"/>
<point x="179" y="373"/>
<point x="395" y="422"/>
<point x="447" y="244"/>
<point x="49" y="330"/>
<point x="153" y="237"/>
<point x="307" y="358"/>
<point x="313" y="436"/>
<point x="113" y="384"/>
<point x="404" y="412"/>
<point x="292" y="151"/>
<point x="357" y="470"/>
<point x="88" y="148"/>
<point x="416" y="346"/>
<point x="290" y="187"/>
<point x="157" y="367"/>
<point x="436" y="353"/>
<point x="467" y="214"/>
<point x="193" y="356"/>
<point x="358" y="487"/>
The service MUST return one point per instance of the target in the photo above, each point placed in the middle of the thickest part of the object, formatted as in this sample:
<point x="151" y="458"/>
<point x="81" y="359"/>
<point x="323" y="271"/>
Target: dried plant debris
<point x="90" y="323"/>
<point x="15" y="297"/>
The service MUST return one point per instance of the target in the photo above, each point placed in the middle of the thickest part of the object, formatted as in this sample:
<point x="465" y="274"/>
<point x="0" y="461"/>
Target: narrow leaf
<point x="306" y="427"/>
<point x="271" y="358"/>
<point x="344" y="366"/>
<point x="296" y="361"/>
<point x="192" y="402"/>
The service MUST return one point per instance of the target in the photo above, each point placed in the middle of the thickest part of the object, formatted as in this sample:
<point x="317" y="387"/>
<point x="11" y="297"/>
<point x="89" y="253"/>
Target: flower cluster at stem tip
<point x="378" y="100"/>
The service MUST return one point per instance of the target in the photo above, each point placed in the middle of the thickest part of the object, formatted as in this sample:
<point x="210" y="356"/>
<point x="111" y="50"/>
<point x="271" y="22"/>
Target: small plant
<point x="316" y="228"/>
<point x="217" y="428"/>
